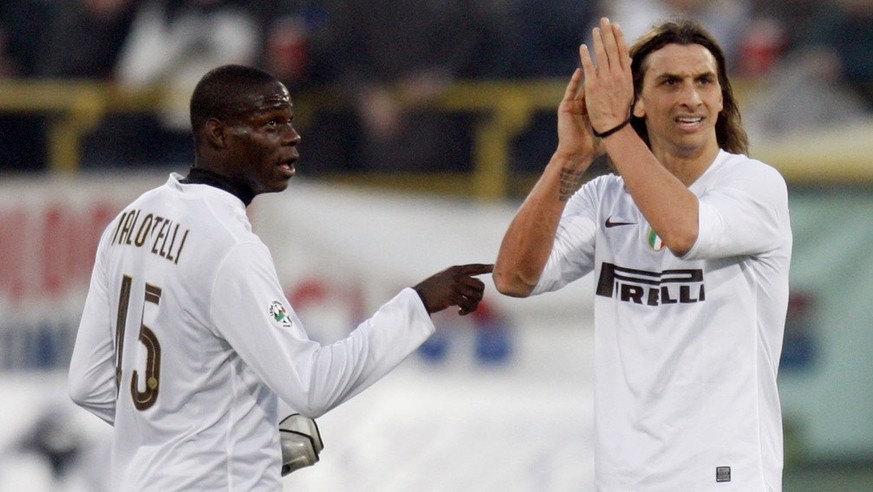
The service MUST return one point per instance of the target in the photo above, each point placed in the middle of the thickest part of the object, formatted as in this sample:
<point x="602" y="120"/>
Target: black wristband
<point x="612" y="130"/>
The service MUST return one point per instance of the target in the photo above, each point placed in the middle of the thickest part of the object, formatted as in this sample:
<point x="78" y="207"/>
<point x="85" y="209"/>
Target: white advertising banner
<point x="499" y="400"/>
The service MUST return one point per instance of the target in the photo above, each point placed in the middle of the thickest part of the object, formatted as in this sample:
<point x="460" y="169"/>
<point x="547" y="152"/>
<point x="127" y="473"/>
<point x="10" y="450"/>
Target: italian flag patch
<point x="654" y="241"/>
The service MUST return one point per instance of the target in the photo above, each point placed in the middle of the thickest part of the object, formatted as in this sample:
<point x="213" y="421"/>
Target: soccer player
<point x="187" y="339"/>
<point x="689" y="243"/>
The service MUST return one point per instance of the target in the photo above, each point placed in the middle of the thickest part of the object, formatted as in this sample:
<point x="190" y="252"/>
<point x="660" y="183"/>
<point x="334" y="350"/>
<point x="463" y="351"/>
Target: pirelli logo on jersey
<point x="651" y="288"/>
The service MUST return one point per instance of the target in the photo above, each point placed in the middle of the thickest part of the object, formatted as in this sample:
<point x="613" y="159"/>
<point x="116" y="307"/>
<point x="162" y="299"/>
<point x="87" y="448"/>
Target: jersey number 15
<point x="144" y="399"/>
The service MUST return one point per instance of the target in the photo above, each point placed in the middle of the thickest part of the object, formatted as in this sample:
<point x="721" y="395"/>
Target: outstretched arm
<point x="528" y="241"/>
<point x="249" y="311"/>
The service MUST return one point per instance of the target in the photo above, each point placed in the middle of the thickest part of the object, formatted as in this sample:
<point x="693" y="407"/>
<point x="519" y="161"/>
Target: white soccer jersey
<point x="187" y="339"/>
<point x="686" y="349"/>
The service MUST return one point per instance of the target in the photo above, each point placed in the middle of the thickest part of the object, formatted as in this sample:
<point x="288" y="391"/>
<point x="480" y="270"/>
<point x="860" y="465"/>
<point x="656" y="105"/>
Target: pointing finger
<point x="477" y="268"/>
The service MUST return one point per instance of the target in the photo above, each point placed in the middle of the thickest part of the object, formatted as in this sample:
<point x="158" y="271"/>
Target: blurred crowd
<point x="382" y="61"/>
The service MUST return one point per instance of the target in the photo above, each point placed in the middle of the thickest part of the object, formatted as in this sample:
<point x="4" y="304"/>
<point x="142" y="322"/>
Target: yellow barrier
<point x="78" y="106"/>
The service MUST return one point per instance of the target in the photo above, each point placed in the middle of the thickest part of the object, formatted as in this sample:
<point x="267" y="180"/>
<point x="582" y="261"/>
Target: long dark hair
<point x="683" y="31"/>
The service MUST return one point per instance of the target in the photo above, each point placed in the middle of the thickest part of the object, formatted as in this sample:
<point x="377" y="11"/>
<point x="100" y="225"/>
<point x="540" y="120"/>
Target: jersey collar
<point x="233" y="186"/>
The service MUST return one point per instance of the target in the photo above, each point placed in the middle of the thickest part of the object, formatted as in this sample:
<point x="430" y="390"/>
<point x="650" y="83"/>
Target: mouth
<point x="689" y="122"/>
<point x="286" y="167"/>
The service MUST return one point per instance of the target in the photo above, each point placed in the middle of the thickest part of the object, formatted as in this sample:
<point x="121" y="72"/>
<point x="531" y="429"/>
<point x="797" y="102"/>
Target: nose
<point x="690" y="95"/>
<point x="290" y="135"/>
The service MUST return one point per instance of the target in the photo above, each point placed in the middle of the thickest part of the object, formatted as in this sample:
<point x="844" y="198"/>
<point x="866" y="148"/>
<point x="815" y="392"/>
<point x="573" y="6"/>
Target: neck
<point x="688" y="167"/>
<point x="233" y="186"/>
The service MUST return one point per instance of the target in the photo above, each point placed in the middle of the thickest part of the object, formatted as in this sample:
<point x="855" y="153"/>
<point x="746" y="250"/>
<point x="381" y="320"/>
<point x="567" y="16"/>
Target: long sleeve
<point x="252" y="314"/>
<point x="91" y="379"/>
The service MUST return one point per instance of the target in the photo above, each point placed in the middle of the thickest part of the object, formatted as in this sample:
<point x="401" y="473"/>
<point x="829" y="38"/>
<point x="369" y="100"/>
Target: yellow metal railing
<point x="76" y="107"/>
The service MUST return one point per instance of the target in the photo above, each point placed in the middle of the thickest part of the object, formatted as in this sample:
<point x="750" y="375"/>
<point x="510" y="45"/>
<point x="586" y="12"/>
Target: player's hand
<point x="576" y="140"/>
<point x="608" y="85"/>
<point x="454" y="286"/>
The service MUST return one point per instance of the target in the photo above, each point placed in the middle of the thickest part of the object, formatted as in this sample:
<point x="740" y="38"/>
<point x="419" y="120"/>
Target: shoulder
<point x="606" y="181"/>
<point x="603" y="184"/>
<point x="217" y="221"/>
<point x="743" y="175"/>
<point x="598" y="188"/>
<point x="741" y="166"/>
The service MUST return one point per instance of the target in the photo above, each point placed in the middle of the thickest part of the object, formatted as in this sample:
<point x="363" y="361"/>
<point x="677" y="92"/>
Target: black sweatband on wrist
<point x="612" y="130"/>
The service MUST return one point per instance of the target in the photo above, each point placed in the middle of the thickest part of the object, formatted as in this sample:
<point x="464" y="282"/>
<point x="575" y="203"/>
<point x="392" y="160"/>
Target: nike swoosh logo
<point x="609" y="223"/>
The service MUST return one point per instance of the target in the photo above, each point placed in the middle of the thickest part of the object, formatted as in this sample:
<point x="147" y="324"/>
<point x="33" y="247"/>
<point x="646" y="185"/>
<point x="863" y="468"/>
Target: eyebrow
<point x="695" y="76"/>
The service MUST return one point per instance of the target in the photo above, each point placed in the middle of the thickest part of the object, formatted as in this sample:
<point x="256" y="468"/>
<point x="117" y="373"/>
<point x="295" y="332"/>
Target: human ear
<point x="639" y="109"/>
<point x="215" y="133"/>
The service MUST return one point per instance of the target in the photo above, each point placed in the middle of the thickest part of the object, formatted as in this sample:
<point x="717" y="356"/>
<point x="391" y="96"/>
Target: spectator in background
<point x="296" y="49"/>
<point x="172" y="43"/>
<point x="293" y="42"/>
<point x="391" y="58"/>
<point x="725" y="19"/>
<point x="23" y="28"/>
<point x="542" y="31"/>
<point x="850" y="40"/>
<point x="22" y="31"/>
<point x="84" y="38"/>
<point x="811" y="56"/>
<point x="788" y="26"/>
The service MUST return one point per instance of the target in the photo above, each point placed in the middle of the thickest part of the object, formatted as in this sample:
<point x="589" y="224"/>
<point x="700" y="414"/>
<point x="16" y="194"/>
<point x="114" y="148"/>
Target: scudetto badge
<point x="280" y="314"/>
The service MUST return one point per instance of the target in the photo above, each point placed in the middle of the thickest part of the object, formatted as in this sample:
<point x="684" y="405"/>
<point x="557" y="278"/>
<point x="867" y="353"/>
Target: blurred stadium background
<point x="424" y="124"/>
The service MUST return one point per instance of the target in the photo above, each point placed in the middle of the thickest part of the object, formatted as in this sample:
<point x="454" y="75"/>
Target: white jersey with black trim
<point x="686" y="349"/>
<point x="187" y="340"/>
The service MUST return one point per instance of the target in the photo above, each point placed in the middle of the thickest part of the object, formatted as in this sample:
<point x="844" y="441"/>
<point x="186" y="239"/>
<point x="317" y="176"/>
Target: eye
<point x="273" y="124"/>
